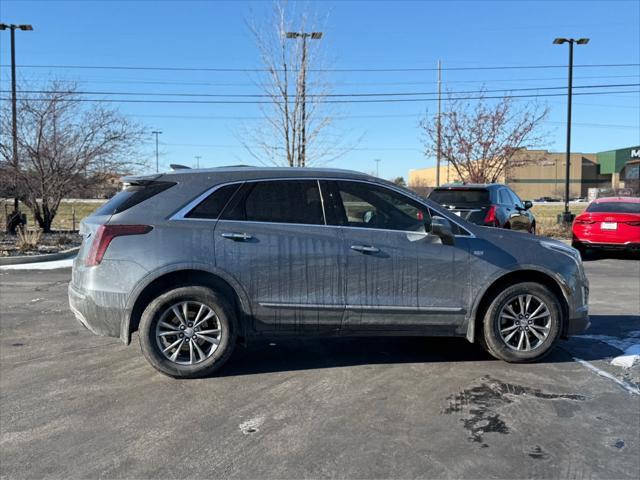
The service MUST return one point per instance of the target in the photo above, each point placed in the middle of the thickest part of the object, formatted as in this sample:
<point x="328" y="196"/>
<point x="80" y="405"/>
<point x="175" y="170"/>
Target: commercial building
<point x="540" y="173"/>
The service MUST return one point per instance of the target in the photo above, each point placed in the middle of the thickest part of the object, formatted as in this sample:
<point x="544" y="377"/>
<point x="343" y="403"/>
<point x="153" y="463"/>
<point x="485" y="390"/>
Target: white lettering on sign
<point x="635" y="153"/>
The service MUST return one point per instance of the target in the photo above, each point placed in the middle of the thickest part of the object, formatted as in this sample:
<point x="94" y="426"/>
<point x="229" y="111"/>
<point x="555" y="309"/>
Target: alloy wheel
<point x="188" y="332"/>
<point x="524" y="322"/>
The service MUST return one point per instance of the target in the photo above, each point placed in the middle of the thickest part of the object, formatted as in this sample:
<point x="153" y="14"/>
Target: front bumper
<point x="99" y="312"/>
<point x="579" y="322"/>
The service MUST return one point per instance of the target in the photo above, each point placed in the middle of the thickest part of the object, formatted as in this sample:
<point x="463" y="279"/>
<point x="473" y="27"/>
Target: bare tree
<point x="63" y="141"/>
<point x="296" y="130"/>
<point x="480" y="139"/>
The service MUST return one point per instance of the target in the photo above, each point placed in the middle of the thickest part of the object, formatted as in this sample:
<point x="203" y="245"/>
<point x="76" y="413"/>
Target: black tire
<point x="152" y="315"/>
<point x="492" y="340"/>
<point x="533" y="229"/>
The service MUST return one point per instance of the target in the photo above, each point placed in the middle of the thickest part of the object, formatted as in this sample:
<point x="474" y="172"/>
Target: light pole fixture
<point x="377" y="160"/>
<point x="14" y="124"/>
<point x="303" y="88"/>
<point x="156" y="133"/>
<point x="567" y="216"/>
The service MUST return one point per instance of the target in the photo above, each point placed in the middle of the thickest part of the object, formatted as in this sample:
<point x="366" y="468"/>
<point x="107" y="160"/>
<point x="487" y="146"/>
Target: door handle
<point x="237" y="236"/>
<point x="365" y="248"/>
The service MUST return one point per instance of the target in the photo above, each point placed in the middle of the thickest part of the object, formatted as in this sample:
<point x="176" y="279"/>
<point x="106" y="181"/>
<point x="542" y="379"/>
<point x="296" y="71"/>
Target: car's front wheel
<point x="187" y="332"/>
<point x="523" y="323"/>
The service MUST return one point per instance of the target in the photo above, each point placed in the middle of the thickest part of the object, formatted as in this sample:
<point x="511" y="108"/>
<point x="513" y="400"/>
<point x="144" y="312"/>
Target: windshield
<point x="459" y="196"/>
<point x="615" y="207"/>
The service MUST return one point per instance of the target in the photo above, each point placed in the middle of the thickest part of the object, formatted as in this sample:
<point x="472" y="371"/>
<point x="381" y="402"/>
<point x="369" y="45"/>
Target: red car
<point x="611" y="223"/>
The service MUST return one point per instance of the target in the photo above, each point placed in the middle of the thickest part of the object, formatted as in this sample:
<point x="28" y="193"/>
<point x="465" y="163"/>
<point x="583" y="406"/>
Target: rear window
<point x="459" y="196"/>
<point x="132" y="195"/>
<point x="614" y="207"/>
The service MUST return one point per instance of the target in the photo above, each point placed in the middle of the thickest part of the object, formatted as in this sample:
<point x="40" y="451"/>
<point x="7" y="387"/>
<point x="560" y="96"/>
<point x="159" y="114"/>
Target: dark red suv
<point x="493" y="205"/>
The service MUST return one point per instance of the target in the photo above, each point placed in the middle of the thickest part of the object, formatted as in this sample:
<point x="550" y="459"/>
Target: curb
<point x="49" y="257"/>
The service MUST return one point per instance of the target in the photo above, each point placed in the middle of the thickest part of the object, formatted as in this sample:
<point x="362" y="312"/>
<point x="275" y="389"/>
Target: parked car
<point x="196" y="260"/>
<point x="493" y="205"/>
<point x="608" y="223"/>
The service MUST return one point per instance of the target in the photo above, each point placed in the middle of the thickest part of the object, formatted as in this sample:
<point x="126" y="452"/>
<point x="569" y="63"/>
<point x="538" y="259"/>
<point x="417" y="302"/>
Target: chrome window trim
<point x="180" y="214"/>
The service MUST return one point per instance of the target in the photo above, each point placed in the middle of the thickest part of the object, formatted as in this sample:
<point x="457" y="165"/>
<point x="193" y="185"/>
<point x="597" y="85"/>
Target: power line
<point x="331" y="95"/>
<point x="335" y="70"/>
<point x="381" y="100"/>
<point x="254" y="84"/>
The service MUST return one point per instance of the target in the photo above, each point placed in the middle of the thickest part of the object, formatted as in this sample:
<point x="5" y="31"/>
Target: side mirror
<point x="441" y="227"/>
<point x="528" y="204"/>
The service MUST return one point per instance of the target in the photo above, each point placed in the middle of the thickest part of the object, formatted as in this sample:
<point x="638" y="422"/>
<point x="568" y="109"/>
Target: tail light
<point x="583" y="221"/>
<point x="634" y="223"/>
<point x="105" y="234"/>
<point x="490" y="218"/>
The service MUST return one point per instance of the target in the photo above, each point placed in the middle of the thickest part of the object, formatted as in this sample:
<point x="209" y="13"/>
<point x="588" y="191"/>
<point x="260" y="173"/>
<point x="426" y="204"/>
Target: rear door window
<point x="280" y="201"/>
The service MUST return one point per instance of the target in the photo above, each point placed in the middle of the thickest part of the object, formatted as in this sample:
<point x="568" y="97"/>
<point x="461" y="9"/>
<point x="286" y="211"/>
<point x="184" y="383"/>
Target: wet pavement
<point x="74" y="405"/>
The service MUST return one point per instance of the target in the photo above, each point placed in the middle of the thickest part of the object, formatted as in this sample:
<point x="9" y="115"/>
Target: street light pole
<point x="197" y="157"/>
<point x="567" y="217"/>
<point x="14" y="114"/>
<point x="377" y="160"/>
<point x="303" y="89"/>
<point x="156" y="133"/>
<point x="439" y="126"/>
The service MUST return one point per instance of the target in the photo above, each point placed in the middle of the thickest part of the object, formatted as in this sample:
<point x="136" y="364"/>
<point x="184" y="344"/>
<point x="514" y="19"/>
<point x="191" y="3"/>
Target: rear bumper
<point x="100" y="312"/>
<point x="630" y="246"/>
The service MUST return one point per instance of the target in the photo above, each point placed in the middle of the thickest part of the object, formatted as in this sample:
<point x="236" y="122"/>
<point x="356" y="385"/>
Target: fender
<point x="471" y="318"/>
<point x="245" y="305"/>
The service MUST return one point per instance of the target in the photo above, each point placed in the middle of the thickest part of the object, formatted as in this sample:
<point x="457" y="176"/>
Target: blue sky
<point x="365" y="34"/>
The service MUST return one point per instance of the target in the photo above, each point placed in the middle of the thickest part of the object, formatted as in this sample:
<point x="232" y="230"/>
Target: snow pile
<point x="630" y="356"/>
<point x="630" y="345"/>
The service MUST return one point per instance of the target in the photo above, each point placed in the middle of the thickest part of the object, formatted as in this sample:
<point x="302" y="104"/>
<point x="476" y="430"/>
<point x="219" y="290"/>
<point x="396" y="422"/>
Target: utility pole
<point x="14" y="114"/>
<point x="302" y="160"/>
<point x="197" y="157"/>
<point x="439" y="125"/>
<point x="567" y="216"/>
<point x="377" y="160"/>
<point x="156" y="133"/>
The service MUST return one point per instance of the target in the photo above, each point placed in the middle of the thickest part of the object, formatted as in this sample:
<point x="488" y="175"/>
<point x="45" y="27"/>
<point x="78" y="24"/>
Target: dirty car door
<point x="398" y="275"/>
<point x="273" y="239"/>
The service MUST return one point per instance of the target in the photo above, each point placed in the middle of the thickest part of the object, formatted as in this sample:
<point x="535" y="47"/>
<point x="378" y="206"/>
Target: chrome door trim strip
<point x="318" y="306"/>
<point x="300" y="305"/>
<point x="407" y="309"/>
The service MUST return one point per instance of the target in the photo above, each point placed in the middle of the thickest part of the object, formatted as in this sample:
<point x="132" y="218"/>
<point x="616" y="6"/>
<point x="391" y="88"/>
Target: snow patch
<point x="630" y="356"/>
<point x="630" y="345"/>
<point x="252" y="425"/>
<point x="66" y="263"/>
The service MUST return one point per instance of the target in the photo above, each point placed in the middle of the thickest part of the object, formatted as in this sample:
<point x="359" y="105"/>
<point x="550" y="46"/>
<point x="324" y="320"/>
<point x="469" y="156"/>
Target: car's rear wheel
<point x="187" y="332"/>
<point x="523" y="323"/>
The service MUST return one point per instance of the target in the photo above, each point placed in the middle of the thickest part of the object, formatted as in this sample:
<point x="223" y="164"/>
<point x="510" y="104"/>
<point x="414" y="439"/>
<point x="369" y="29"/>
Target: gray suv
<point x="195" y="260"/>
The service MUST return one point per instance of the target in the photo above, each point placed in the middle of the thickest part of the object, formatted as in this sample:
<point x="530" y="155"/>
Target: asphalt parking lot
<point x="74" y="405"/>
